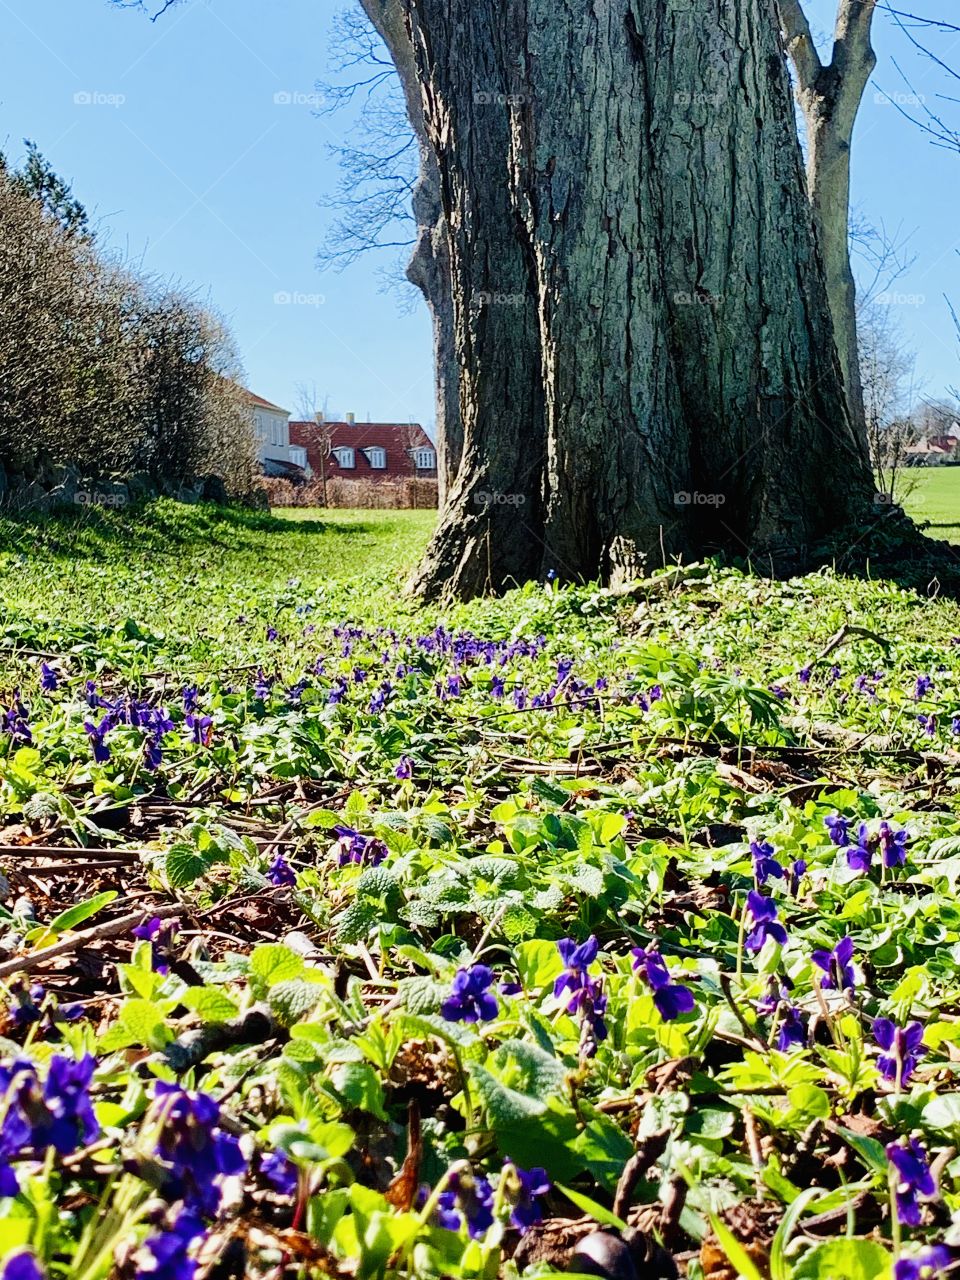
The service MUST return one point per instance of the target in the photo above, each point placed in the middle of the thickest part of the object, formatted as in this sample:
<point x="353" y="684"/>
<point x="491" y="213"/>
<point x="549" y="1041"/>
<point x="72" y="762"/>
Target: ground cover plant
<point x="566" y="931"/>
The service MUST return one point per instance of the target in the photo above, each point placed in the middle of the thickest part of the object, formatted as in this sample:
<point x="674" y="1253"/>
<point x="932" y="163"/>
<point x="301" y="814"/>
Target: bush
<point x="101" y="370"/>
<point x="383" y="494"/>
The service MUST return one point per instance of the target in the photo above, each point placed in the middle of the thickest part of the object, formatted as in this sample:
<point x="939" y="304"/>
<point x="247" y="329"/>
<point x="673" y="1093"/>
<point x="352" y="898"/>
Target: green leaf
<point x="539" y="963"/>
<point x="606" y="1217"/>
<point x="518" y="923"/>
<point x="293" y="999"/>
<point x="73" y="916"/>
<point x="356" y="922"/>
<point x="210" y="1003"/>
<point x="184" y="865"/>
<point x="851" y="1259"/>
<point x="943" y="1113"/>
<point x="420" y="994"/>
<point x="359" y="1084"/>
<point x="273" y="963"/>
<point x="140" y="1022"/>
<point x="870" y="1151"/>
<point x="505" y="1107"/>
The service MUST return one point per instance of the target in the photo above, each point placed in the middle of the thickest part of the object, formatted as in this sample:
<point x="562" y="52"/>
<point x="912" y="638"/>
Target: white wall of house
<point x="272" y="428"/>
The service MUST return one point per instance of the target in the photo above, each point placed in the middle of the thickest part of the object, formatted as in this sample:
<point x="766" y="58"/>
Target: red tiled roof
<point x="259" y="402"/>
<point x="397" y="439"/>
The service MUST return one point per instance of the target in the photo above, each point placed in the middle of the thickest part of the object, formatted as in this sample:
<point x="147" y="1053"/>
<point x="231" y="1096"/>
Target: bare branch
<point x="799" y="43"/>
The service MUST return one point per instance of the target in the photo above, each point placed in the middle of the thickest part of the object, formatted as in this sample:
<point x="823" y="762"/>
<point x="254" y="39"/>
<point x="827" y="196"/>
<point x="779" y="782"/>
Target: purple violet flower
<point x="902" y="1049"/>
<point x="162" y="936"/>
<point x="22" y="1265"/>
<point x="838" y="974"/>
<point x="914" y="1179"/>
<point x="671" y="998"/>
<point x="839" y="829"/>
<point x="765" y="865"/>
<point x="765" y="923"/>
<point x="893" y="845"/>
<point x="528" y="1185"/>
<point x="466" y="1200"/>
<point x="194" y="1149"/>
<point x="470" y="999"/>
<point x="404" y="769"/>
<point x="280" y="1171"/>
<point x="281" y="873"/>
<point x="930" y="1264"/>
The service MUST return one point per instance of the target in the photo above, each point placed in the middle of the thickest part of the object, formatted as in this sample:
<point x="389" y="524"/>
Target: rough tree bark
<point x="829" y="97"/>
<point x="429" y="267"/>
<point x="646" y="358"/>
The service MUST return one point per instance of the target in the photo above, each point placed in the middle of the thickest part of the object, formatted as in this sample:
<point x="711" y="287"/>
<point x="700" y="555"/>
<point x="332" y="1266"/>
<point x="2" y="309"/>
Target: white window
<point x="298" y="456"/>
<point x="261" y="434"/>
<point x="377" y="458"/>
<point x="345" y="457"/>
<point x="424" y="459"/>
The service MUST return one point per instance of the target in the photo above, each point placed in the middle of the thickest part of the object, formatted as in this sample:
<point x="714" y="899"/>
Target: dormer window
<point x="377" y="458"/>
<point x="347" y="458"/>
<point x="425" y="459"/>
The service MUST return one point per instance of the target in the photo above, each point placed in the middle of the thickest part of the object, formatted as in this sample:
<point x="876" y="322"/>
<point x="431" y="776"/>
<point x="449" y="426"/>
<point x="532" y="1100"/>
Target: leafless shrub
<point x="103" y="371"/>
<point x="406" y="494"/>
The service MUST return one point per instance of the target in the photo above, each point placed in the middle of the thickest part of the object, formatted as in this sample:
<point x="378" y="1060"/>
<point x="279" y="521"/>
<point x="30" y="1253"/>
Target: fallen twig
<point x="112" y="929"/>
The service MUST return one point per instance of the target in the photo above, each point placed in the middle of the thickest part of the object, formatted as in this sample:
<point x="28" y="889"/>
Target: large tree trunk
<point x="830" y="97"/>
<point x="646" y="359"/>
<point x="429" y="267"/>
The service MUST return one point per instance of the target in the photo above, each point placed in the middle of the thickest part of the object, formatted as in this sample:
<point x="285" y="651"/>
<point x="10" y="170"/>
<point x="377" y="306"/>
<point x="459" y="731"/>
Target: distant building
<point x="376" y="452"/>
<point x="934" y="451"/>
<point x="272" y="428"/>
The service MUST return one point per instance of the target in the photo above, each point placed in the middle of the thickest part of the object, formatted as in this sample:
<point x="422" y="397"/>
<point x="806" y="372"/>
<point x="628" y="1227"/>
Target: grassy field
<point x="442" y="916"/>
<point x="933" y="495"/>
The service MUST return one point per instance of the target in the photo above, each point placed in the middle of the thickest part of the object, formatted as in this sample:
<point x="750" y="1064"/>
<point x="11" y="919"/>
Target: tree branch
<point x="799" y="43"/>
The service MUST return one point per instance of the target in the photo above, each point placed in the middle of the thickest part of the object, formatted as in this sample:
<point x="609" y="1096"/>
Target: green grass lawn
<point x="932" y="494"/>
<point x="188" y="573"/>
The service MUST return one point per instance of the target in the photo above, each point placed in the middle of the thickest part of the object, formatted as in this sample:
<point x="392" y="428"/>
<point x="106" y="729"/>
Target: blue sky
<point x="173" y="135"/>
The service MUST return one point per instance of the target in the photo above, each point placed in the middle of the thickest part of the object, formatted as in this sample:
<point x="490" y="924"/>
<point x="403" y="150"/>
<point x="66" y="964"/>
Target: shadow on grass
<point x="159" y="526"/>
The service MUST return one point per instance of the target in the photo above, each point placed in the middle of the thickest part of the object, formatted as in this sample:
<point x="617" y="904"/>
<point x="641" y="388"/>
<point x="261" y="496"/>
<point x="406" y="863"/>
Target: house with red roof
<point x="376" y="452"/>
<point x="271" y="425"/>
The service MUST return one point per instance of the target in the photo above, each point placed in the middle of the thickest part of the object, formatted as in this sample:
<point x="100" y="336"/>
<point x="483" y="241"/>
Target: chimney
<point x="351" y="418"/>
<point x="318" y="417"/>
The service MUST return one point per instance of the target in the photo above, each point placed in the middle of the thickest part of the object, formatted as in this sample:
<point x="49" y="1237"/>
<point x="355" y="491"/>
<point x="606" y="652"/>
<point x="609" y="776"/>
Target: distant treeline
<point x="102" y="369"/>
